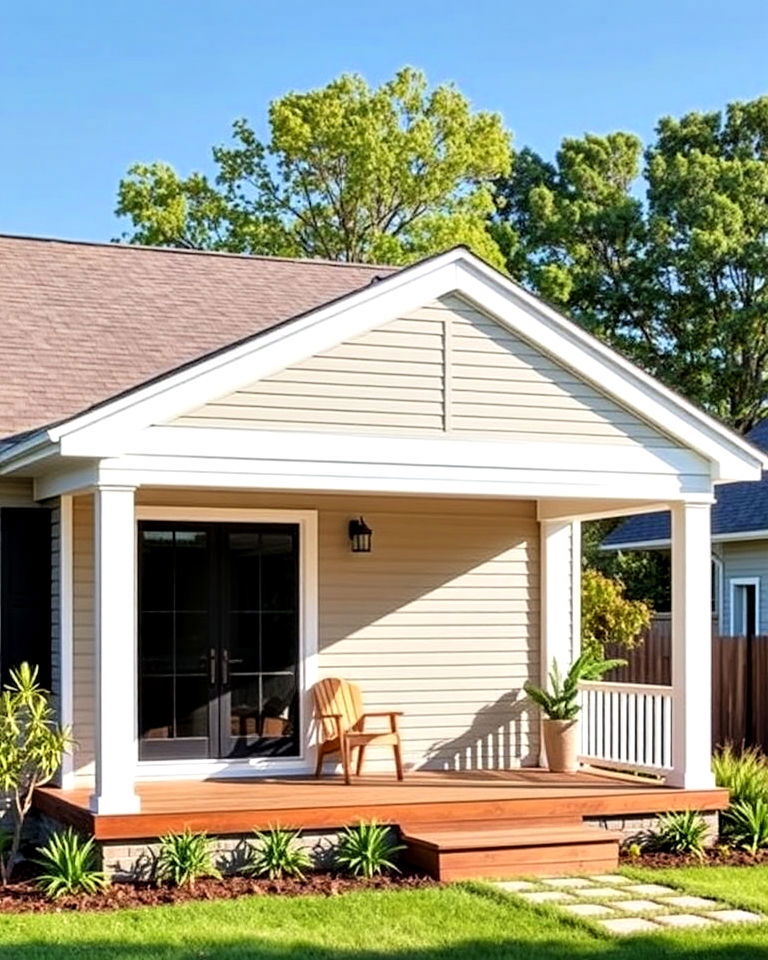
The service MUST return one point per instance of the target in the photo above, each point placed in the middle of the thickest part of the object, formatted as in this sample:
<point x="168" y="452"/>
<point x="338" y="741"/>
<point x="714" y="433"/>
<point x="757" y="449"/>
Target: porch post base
<point x="690" y="779"/>
<point x="115" y="803"/>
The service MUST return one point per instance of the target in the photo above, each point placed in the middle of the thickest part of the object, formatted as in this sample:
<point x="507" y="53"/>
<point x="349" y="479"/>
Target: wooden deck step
<point x="467" y="850"/>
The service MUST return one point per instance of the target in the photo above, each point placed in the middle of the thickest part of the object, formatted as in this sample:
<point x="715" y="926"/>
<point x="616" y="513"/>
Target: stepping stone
<point x="692" y="903"/>
<point x="735" y="916"/>
<point x="547" y="896"/>
<point x="650" y="889"/>
<point x="588" y="909"/>
<point x="612" y="879"/>
<point x="600" y="893"/>
<point x="639" y="906"/>
<point x="684" y="920"/>
<point x="515" y="886"/>
<point x="626" y="925"/>
<point x="567" y="882"/>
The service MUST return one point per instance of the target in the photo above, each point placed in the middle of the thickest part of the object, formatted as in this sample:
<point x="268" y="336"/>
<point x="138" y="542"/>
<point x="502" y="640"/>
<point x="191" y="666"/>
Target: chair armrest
<point x="384" y="713"/>
<point x="336" y="717"/>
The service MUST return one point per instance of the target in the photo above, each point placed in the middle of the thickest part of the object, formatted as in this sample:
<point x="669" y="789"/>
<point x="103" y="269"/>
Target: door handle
<point x="212" y="666"/>
<point x="225" y="667"/>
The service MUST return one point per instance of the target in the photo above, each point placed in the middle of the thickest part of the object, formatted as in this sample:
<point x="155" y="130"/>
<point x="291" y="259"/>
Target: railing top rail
<point x="648" y="689"/>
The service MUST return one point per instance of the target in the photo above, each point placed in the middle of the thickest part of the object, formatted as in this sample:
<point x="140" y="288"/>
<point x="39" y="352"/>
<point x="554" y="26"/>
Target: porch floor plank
<point x="232" y="806"/>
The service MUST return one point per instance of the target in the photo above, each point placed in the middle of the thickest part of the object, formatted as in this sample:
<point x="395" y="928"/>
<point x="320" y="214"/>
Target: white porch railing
<point x="627" y="726"/>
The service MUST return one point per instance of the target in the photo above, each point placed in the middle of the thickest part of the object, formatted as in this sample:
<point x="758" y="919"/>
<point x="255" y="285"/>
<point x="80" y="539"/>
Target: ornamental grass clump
<point x="745" y="824"/>
<point x="32" y="745"/>
<point x="184" y="858"/>
<point x="277" y="854"/>
<point x="744" y="773"/>
<point x="683" y="832"/>
<point x="69" y="862"/>
<point x="366" y="850"/>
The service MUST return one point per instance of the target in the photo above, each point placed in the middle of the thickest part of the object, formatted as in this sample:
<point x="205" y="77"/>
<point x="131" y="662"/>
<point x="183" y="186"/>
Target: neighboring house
<point x="739" y="548"/>
<point x="188" y="437"/>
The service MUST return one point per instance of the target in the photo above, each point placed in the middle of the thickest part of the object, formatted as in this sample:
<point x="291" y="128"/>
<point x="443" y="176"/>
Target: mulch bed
<point x="24" y="897"/>
<point x="714" y="857"/>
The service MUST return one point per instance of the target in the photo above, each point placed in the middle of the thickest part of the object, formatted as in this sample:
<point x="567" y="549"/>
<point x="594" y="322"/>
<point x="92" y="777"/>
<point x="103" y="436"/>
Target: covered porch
<point x="461" y="600"/>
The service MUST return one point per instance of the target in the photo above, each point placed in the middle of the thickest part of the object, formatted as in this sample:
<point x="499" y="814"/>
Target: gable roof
<point x="106" y="428"/>
<point x="82" y="322"/>
<point x="740" y="508"/>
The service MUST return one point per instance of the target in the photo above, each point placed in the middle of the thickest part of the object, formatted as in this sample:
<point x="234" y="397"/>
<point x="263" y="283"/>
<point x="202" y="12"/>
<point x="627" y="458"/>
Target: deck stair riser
<point x="477" y="849"/>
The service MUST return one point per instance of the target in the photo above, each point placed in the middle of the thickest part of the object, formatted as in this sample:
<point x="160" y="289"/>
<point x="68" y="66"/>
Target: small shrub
<point x="744" y="773"/>
<point x="681" y="832"/>
<point x="366" y="849"/>
<point x="634" y="850"/>
<point x="184" y="858"/>
<point x="69" y="861"/>
<point x="745" y="824"/>
<point x="31" y="747"/>
<point x="277" y="854"/>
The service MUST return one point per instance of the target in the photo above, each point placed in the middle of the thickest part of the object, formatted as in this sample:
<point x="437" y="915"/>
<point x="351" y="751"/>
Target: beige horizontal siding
<point x="440" y="621"/>
<point x="16" y="493"/>
<point x="446" y="367"/>
<point x="389" y="380"/>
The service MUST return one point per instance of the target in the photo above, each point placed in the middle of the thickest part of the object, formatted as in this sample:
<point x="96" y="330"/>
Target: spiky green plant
<point x="745" y="824"/>
<point x="278" y="853"/>
<point x="743" y="772"/>
<point x="682" y="831"/>
<point x="184" y="858"/>
<point x="366" y="849"/>
<point x="561" y="702"/>
<point x="69" y="861"/>
<point x="31" y="747"/>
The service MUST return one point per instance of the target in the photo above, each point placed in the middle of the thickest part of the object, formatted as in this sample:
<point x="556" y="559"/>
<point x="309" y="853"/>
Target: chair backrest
<point x="334" y="695"/>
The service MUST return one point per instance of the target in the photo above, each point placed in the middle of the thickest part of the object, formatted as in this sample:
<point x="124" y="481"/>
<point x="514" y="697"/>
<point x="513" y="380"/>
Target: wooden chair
<point x="341" y="721"/>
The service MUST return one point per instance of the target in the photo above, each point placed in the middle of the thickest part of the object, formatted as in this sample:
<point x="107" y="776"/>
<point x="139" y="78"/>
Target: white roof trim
<point x="736" y="537"/>
<point x="105" y="430"/>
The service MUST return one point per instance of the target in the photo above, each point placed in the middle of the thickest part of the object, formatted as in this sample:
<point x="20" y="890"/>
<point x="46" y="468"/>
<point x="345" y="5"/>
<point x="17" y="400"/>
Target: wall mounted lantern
<point x="360" y="536"/>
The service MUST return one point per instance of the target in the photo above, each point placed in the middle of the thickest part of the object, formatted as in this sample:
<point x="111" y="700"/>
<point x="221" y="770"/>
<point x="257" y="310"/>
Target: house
<point x="739" y="548"/>
<point x="187" y="439"/>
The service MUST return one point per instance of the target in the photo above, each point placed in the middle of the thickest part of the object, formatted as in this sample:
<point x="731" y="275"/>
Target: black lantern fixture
<point x="360" y="536"/>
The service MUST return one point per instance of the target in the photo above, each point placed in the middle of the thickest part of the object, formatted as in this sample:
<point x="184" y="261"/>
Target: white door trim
<point x="306" y="520"/>
<point x="743" y="582"/>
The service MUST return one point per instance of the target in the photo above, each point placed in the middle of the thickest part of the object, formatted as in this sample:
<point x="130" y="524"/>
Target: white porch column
<point x="115" y="655"/>
<point x="691" y="647"/>
<point x="560" y="594"/>
<point x="65" y="625"/>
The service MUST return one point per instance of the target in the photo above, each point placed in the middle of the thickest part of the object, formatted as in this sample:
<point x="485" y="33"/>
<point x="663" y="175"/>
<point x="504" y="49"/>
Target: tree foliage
<point x="645" y="574"/>
<point x="349" y="173"/>
<point x="664" y="254"/>
<point x="607" y="616"/>
<point x="32" y="745"/>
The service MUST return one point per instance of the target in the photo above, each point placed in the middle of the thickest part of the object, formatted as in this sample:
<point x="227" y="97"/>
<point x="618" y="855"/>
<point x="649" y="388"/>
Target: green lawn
<point x="467" y="922"/>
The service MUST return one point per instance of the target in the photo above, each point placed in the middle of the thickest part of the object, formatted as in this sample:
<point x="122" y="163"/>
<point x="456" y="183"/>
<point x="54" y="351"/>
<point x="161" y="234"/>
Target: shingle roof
<point x="740" y="508"/>
<point x="81" y="322"/>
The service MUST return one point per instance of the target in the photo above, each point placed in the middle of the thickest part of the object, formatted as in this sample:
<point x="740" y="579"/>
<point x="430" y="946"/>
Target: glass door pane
<point x="176" y="652"/>
<point x="260" y="641"/>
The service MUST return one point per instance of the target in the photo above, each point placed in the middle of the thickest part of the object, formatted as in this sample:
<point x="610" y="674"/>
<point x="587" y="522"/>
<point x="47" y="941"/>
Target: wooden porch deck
<point x="232" y="806"/>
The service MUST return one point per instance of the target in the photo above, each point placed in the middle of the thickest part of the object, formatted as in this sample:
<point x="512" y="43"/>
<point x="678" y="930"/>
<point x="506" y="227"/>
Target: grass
<point x="463" y="922"/>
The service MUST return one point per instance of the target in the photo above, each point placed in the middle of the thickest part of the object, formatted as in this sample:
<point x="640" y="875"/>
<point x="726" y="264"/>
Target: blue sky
<point x="89" y="87"/>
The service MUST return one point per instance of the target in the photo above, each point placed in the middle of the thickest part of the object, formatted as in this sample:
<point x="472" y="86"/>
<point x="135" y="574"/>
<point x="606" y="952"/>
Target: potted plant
<point x="561" y="707"/>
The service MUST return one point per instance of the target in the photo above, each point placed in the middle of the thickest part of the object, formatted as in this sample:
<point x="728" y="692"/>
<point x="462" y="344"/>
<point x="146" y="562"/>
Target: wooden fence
<point x="739" y="680"/>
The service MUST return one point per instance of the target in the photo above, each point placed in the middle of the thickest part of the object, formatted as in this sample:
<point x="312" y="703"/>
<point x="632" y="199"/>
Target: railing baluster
<point x="628" y="726"/>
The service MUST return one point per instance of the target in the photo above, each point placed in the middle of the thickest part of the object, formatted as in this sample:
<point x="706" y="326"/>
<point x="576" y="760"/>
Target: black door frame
<point x="218" y="659"/>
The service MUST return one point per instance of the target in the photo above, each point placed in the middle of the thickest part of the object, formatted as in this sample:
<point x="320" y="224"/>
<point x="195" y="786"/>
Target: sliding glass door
<point x="218" y="640"/>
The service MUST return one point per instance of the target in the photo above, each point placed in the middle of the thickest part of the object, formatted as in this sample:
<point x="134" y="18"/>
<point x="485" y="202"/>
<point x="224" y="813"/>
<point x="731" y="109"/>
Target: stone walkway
<point x="621" y="906"/>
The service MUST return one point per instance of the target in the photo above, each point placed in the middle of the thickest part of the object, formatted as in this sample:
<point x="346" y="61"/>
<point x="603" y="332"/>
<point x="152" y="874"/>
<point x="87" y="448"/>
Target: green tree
<point x="607" y="616"/>
<point x="349" y="173"/>
<point x="671" y="267"/>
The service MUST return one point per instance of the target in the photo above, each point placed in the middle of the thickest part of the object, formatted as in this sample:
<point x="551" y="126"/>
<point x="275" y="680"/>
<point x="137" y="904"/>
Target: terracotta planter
<point x="561" y="742"/>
